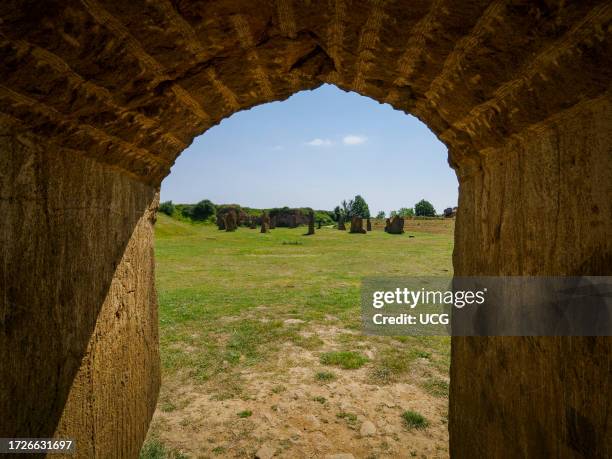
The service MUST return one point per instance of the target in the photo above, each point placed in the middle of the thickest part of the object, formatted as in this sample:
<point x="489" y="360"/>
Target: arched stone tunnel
<point x="98" y="98"/>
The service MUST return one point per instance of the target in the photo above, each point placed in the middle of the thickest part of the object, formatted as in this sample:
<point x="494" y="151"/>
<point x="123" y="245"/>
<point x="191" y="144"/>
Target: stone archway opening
<point x="99" y="97"/>
<point x="308" y="382"/>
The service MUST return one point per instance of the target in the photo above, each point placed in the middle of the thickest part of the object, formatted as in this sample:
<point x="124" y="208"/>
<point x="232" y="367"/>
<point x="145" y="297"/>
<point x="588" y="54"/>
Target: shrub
<point x="203" y="210"/>
<point x="414" y="420"/>
<point x="167" y="208"/>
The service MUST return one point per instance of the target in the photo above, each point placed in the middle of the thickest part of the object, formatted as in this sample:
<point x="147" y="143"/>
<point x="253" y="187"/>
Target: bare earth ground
<point x="253" y="384"/>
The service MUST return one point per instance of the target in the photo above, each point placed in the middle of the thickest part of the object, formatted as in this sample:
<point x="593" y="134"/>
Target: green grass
<point x="155" y="449"/>
<point x="245" y="414"/>
<point x="436" y="387"/>
<point x="223" y="297"/>
<point x="414" y="420"/>
<point x="350" y="418"/>
<point x="325" y="376"/>
<point x="349" y="360"/>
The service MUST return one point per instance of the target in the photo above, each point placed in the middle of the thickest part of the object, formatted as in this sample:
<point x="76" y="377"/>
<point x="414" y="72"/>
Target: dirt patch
<point x="285" y="406"/>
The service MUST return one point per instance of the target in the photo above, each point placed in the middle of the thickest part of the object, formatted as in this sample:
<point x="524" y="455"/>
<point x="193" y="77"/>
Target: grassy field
<point x="261" y="348"/>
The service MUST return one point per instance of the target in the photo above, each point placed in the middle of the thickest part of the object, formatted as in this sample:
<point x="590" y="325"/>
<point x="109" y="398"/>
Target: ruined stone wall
<point x="539" y="205"/>
<point x="78" y="312"/>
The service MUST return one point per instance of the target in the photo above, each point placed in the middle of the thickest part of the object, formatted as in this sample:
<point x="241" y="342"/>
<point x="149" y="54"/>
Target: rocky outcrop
<point x="241" y="217"/>
<point x="99" y="98"/>
<point x="289" y="218"/>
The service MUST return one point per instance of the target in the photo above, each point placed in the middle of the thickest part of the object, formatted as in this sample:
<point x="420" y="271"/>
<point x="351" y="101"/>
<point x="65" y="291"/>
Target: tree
<point x="337" y="213"/>
<point x="424" y="209"/>
<point x="346" y="209"/>
<point x="406" y="212"/>
<point x="380" y="214"/>
<point x="203" y="210"/>
<point x="393" y="213"/>
<point x="167" y="208"/>
<point x="359" y="207"/>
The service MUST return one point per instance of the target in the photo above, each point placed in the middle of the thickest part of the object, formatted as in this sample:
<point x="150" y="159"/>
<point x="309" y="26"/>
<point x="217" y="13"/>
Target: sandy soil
<point x="294" y="415"/>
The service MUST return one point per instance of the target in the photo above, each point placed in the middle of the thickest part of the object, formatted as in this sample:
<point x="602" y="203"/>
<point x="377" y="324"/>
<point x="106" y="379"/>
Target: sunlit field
<point x="262" y="352"/>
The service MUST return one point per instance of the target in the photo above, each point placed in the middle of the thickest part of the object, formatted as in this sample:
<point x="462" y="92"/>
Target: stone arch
<point x="99" y="98"/>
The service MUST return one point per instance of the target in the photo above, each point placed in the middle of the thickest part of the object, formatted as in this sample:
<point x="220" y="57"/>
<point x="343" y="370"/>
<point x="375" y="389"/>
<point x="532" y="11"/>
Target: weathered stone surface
<point x="265" y="222"/>
<point x="289" y="218"/>
<point x="387" y="223"/>
<point x="369" y="225"/>
<point x="357" y="225"/>
<point x="241" y="216"/>
<point x="98" y="99"/>
<point x="230" y="220"/>
<point x="395" y="226"/>
<point x="78" y="309"/>
<point x="311" y="223"/>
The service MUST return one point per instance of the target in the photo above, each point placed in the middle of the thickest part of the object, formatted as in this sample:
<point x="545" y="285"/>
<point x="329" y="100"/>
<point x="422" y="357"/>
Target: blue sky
<point x="314" y="150"/>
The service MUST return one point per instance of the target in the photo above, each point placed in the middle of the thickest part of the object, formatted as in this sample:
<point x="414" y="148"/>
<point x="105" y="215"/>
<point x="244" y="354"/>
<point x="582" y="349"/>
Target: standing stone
<point x="396" y="226"/>
<point x="319" y="224"/>
<point x="221" y="222"/>
<point x="369" y="225"/>
<point x="387" y="223"/>
<point x="341" y="226"/>
<point x="311" y="222"/>
<point x="357" y="225"/>
<point x="230" y="220"/>
<point x="265" y="222"/>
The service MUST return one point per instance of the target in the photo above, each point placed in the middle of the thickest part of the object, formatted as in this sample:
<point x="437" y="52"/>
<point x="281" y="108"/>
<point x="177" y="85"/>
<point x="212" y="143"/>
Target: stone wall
<point x="78" y="312"/>
<point x="539" y="205"/>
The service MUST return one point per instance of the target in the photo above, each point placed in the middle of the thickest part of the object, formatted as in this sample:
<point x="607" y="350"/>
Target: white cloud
<point x="319" y="143"/>
<point x="354" y="139"/>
